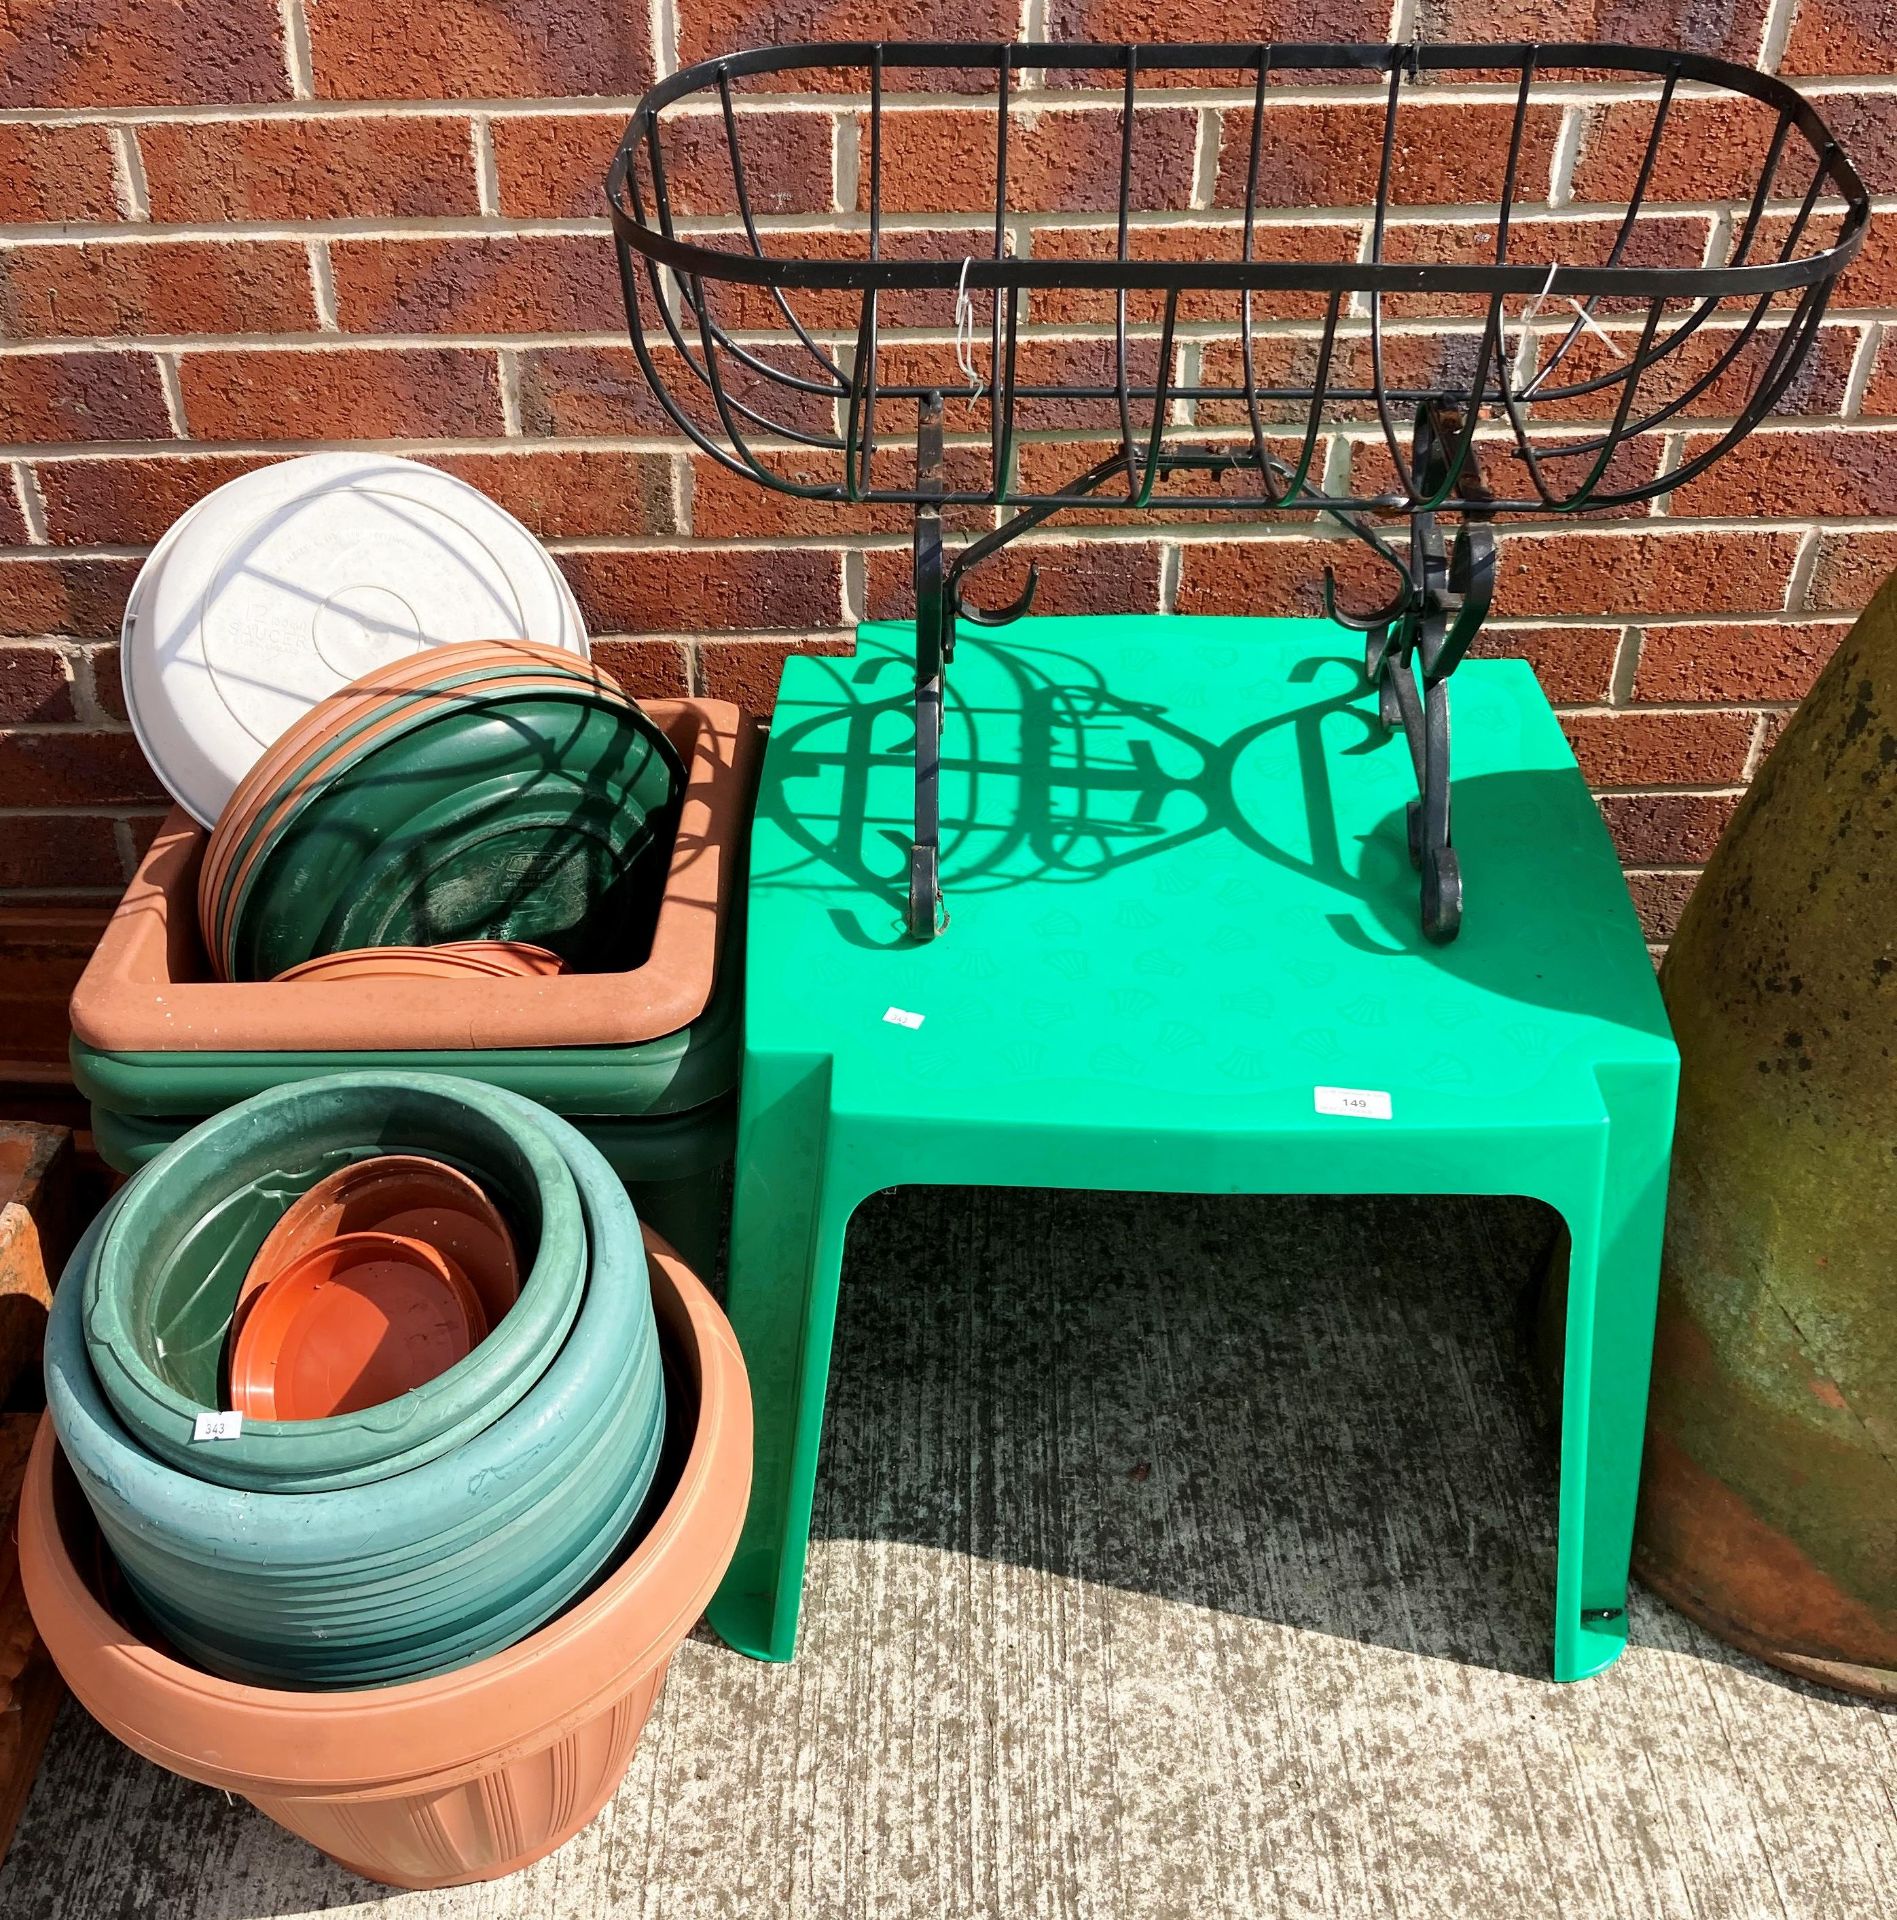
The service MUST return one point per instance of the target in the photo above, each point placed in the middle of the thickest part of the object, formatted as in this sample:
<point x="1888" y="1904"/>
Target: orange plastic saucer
<point x="357" y="1321"/>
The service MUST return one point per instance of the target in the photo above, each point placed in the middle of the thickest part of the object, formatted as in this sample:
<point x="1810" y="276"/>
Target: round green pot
<point x="373" y="723"/>
<point x="418" y="1573"/>
<point x="160" y="1293"/>
<point x="543" y="812"/>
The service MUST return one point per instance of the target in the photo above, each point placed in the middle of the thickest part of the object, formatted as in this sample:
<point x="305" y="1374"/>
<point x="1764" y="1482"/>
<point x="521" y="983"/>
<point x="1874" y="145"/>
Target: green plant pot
<point x="162" y="1288"/>
<point x="377" y="720"/>
<point x="541" y="816"/>
<point x="418" y="1573"/>
<point x="679" y="1073"/>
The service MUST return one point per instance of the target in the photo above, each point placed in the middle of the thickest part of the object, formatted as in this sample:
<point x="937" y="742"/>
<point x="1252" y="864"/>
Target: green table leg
<point x="1615" y="1223"/>
<point x="786" y="1259"/>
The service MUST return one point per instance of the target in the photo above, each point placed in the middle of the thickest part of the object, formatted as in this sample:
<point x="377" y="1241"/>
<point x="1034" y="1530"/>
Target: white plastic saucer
<point x="289" y="582"/>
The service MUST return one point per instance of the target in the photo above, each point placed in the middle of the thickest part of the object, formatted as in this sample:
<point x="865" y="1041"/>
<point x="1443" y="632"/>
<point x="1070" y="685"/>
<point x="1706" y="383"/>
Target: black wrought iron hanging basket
<point x="944" y="343"/>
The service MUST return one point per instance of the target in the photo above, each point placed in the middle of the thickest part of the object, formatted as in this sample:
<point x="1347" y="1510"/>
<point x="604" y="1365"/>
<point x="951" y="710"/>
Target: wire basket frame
<point x="754" y="400"/>
<point x="1116" y="279"/>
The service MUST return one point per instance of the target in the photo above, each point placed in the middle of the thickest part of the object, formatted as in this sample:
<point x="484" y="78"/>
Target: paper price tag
<point x="1353" y="1103"/>
<point x="896" y="1017"/>
<point x="217" y="1426"/>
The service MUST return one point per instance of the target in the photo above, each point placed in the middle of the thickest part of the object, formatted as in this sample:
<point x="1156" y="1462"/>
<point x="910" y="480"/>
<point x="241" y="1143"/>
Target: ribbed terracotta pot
<point x="1769" y="1497"/>
<point x="472" y="1774"/>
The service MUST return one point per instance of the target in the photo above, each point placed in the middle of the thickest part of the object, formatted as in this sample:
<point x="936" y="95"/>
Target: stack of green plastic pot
<point x="403" y="1540"/>
<point x="662" y="1112"/>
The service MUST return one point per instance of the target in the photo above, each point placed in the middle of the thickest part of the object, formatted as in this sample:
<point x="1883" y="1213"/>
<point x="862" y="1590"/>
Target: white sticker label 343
<point x="218" y="1426"/>
<point x="1354" y="1103"/>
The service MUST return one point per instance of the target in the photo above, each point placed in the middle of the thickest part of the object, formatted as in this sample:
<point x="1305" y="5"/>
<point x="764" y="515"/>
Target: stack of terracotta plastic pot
<point x="630" y="1030"/>
<point x="469" y="1775"/>
<point x="462" y="1598"/>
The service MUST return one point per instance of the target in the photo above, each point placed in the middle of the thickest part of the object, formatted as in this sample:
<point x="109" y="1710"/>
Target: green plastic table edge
<point x="808" y="1154"/>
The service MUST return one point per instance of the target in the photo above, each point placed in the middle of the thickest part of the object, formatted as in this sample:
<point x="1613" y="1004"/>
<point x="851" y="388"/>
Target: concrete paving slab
<point x="1173" y="1558"/>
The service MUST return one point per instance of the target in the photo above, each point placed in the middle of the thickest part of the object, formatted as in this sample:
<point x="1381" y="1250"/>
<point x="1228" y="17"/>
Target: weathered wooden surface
<point x="43" y="951"/>
<point x="1173" y="1558"/>
<point x="30" y="1691"/>
<point x="1769" y="1505"/>
<point x="36" y="1225"/>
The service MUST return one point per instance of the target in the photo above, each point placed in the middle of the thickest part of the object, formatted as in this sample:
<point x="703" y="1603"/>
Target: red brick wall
<point x="235" y="228"/>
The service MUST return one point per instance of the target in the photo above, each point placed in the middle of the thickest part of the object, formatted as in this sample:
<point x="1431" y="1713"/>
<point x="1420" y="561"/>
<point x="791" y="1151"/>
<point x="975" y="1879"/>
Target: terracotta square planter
<point x="148" y="988"/>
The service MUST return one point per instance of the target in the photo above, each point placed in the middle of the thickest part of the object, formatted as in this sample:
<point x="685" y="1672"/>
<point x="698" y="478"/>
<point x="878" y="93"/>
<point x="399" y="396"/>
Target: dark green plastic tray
<point x="543" y="815"/>
<point x="420" y="709"/>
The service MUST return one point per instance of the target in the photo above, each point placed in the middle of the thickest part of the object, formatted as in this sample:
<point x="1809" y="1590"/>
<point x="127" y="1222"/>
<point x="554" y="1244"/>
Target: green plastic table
<point x="1183" y="955"/>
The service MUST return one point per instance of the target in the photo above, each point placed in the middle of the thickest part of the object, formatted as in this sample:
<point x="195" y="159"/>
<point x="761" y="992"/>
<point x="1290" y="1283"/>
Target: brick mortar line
<point x="1620" y="679"/>
<point x="128" y="168"/>
<point x="82" y="809"/>
<point x="1804" y="565"/>
<point x="1354" y="431"/>
<point x="85" y="689"/>
<point x="1775" y="31"/>
<point x="1566" y="156"/>
<point x="32" y="507"/>
<point x="1755" y="750"/>
<point x="1207" y="134"/>
<point x="487" y="184"/>
<point x="711" y="226"/>
<point x="184" y="446"/>
<point x="1104" y="99"/>
<point x="172" y="382"/>
<point x="322" y="285"/>
<point x="298" y="66"/>
<point x="1863" y="365"/>
<point x="1652" y="791"/>
<point x="507" y="377"/>
<point x="1185" y="534"/>
<point x="126" y="845"/>
<point x="1039" y="333"/>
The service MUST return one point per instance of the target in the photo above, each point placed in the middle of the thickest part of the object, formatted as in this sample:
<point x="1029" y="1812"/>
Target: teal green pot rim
<point x="307" y="766"/>
<point x="290" y="1138"/>
<point x="641" y="1150"/>
<point x="288" y="846"/>
<point x="412" y="1575"/>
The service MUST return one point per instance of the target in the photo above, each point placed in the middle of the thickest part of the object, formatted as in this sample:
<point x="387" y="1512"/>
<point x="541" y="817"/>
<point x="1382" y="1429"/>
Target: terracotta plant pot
<point x="478" y="1772"/>
<point x="1768" y="1502"/>
<point x="401" y="1193"/>
<point x="453" y="960"/>
<point x="149" y="988"/>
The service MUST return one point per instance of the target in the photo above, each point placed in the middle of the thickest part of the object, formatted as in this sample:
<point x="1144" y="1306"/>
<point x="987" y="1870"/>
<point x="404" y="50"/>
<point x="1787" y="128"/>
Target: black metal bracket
<point x="935" y="643"/>
<point x="1409" y="660"/>
<point x="1416" y="638"/>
